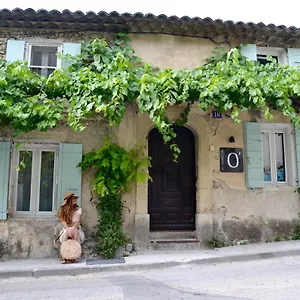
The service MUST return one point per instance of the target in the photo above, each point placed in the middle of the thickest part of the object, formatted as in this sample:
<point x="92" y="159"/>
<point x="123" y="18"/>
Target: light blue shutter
<point x="4" y="177"/>
<point x="253" y="154"/>
<point x="69" y="178"/>
<point x="249" y="51"/>
<point x="15" y="50"/>
<point x="297" y="139"/>
<point x="294" y="57"/>
<point x="72" y="49"/>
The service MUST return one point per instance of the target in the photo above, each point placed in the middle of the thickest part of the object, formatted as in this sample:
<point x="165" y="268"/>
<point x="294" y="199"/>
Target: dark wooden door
<point x="172" y="193"/>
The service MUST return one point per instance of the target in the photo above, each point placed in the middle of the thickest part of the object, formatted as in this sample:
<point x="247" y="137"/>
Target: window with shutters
<point x="278" y="153"/>
<point x="34" y="180"/>
<point x="42" y="57"/>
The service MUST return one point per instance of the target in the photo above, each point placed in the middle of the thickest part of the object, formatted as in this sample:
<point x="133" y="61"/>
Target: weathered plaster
<point x="240" y="213"/>
<point x="254" y="215"/>
<point x="29" y="237"/>
<point x="223" y="202"/>
<point x="167" y="51"/>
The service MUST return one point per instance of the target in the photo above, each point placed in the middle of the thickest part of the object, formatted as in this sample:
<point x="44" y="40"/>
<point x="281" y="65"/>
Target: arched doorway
<point x="172" y="193"/>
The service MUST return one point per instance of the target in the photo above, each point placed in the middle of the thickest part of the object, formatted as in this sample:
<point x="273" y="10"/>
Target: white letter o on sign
<point x="237" y="160"/>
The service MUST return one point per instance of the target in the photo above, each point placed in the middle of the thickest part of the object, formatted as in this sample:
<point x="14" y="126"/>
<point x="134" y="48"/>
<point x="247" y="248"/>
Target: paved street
<point x="264" y="279"/>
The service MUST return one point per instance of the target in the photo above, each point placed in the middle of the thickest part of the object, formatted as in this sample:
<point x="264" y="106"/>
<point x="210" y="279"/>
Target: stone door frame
<point x="203" y="218"/>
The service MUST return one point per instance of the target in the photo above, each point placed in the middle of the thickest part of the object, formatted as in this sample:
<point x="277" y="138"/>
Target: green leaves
<point x="106" y="77"/>
<point x="116" y="169"/>
<point x="24" y="102"/>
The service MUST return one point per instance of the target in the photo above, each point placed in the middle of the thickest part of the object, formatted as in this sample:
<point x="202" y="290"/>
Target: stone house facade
<point x="238" y="181"/>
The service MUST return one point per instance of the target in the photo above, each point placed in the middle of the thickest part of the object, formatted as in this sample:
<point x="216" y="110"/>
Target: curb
<point x="35" y="273"/>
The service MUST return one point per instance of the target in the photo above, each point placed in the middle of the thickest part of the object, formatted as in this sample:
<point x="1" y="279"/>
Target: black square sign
<point x="231" y="160"/>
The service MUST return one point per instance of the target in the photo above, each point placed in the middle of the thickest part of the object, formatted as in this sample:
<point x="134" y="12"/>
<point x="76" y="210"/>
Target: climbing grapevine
<point x="115" y="169"/>
<point x="107" y="76"/>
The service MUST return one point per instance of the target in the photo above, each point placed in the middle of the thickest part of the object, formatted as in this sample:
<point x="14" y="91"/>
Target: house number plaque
<point x="231" y="160"/>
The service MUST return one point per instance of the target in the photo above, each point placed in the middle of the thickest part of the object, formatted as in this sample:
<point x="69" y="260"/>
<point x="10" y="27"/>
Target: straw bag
<point x="70" y="249"/>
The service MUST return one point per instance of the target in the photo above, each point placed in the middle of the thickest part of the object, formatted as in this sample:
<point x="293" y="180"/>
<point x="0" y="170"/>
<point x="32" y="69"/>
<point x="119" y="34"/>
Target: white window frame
<point x="289" y="153"/>
<point x="28" y="50"/>
<point x="281" y="53"/>
<point x="35" y="188"/>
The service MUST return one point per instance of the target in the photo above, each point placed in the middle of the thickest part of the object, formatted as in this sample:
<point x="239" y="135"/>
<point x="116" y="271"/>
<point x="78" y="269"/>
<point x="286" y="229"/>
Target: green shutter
<point x="253" y="154"/>
<point x="4" y="177"/>
<point x="297" y="139"/>
<point x="15" y="50"/>
<point x="72" y="49"/>
<point x="294" y="57"/>
<point x="69" y="178"/>
<point x="249" y="51"/>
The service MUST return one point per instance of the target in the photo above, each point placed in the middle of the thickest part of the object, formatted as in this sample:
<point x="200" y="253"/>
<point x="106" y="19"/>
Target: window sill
<point x="32" y="217"/>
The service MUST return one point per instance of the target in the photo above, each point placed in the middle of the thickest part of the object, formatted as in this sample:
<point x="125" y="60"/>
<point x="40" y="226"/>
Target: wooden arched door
<point x="172" y="193"/>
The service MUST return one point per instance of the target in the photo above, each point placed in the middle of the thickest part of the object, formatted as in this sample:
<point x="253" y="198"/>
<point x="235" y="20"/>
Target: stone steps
<point x="172" y="235"/>
<point x="174" y="244"/>
<point x="173" y="240"/>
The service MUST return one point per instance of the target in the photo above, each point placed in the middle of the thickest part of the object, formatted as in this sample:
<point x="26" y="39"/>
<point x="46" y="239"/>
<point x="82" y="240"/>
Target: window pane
<point x="266" y="156"/>
<point x="36" y="70"/>
<point x="280" y="161"/>
<point x="44" y="71"/>
<point x="36" y="56"/>
<point x="49" y="71"/>
<point x="24" y="181"/>
<point x="46" y="181"/>
<point x="263" y="59"/>
<point x="52" y="59"/>
<point x="43" y="56"/>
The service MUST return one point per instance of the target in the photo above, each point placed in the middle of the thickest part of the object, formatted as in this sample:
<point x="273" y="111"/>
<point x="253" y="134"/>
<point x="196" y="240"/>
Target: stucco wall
<point x="28" y="237"/>
<point x="166" y="51"/>
<point x="33" y="237"/>
<point x="223" y="202"/>
<point x="237" y="213"/>
<point x="241" y="213"/>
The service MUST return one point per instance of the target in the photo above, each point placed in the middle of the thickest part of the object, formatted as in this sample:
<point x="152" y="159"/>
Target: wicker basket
<point x="70" y="249"/>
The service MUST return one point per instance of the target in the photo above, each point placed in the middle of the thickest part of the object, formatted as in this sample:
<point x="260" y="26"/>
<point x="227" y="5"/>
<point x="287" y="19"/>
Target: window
<point x="279" y="54"/>
<point x="42" y="58"/>
<point x="34" y="177"/>
<point x="276" y="143"/>
<point x="262" y="58"/>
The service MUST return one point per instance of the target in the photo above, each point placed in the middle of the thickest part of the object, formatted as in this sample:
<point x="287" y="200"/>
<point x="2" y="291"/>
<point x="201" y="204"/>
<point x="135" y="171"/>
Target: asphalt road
<point x="271" y="279"/>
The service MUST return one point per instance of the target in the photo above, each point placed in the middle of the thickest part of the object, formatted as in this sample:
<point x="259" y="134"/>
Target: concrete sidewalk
<point x="150" y="260"/>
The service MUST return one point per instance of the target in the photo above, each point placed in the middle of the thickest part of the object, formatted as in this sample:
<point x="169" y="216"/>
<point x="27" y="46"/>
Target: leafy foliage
<point x="296" y="232"/>
<point x="109" y="234"/>
<point x="102" y="79"/>
<point x="105" y="77"/>
<point x="215" y="242"/>
<point x="116" y="169"/>
<point x="27" y="100"/>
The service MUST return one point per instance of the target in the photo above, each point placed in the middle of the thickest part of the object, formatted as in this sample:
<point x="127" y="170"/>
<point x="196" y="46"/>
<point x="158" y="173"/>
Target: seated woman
<point x="69" y="214"/>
